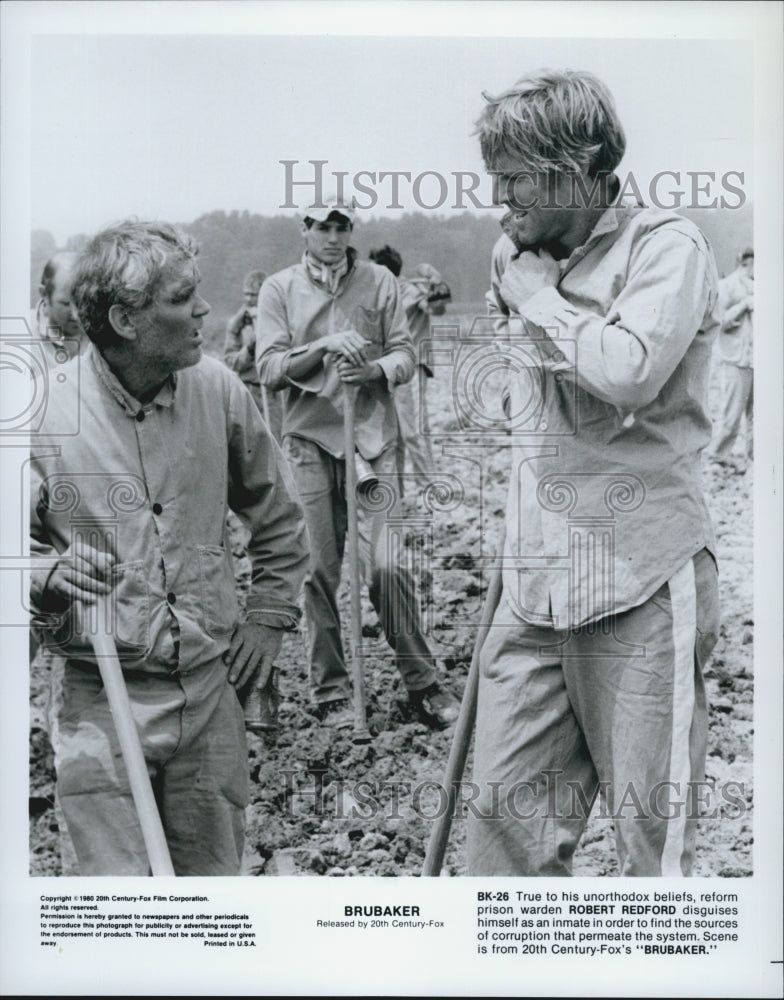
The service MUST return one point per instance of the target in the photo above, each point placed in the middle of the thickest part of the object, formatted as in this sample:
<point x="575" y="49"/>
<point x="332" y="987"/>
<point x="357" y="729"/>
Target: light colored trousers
<point x="617" y="707"/>
<point x="414" y="422"/>
<point x="737" y="401"/>
<point x="192" y="733"/>
<point x="321" y="484"/>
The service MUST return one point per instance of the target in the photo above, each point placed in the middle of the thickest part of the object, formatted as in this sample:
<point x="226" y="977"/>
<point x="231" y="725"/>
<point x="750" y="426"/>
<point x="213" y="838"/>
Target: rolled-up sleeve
<point x="262" y="494"/>
<point x="626" y="356"/>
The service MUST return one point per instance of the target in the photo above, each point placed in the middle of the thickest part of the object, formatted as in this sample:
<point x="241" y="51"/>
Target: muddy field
<point x="324" y="806"/>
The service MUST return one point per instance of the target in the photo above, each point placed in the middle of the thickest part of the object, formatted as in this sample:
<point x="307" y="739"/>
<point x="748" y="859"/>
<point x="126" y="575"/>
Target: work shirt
<point x="736" y="339"/>
<point x="155" y="479"/>
<point x="414" y="292"/>
<point x="239" y="348"/>
<point x="294" y="311"/>
<point x="504" y="251"/>
<point x="608" y="373"/>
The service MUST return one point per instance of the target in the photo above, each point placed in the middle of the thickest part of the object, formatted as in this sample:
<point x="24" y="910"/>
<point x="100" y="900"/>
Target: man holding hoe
<point x="328" y="322"/>
<point x="133" y="509"/>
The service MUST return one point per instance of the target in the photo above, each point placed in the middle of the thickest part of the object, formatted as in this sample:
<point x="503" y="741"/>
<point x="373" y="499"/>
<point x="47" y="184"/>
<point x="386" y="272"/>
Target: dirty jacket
<point x="156" y="480"/>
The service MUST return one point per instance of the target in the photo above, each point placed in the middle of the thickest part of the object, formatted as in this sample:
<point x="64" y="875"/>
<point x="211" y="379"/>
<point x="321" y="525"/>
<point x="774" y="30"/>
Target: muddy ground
<point x="322" y="805"/>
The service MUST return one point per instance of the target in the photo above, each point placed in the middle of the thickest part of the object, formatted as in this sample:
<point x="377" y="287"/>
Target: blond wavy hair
<point x="553" y="122"/>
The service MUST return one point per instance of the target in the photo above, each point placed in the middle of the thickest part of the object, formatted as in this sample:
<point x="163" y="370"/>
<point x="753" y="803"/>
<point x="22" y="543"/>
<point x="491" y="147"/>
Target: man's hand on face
<point x="526" y="276"/>
<point x="358" y="374"/>
<point x="252" y="653"/>
<point x="83" y="573"/>
<point x="347" y="344"/>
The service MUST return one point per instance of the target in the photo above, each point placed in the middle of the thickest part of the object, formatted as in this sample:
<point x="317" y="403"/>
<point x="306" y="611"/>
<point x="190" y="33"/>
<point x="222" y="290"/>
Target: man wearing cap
<point x="333" y="320"/>
<point x="736" y="353"/>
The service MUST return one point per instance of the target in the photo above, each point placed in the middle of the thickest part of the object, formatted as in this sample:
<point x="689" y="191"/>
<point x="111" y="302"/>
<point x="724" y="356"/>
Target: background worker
<point x="423" y="296"/>
<point x="327" y="322"/>
<point x="239" y="352"/>
<point x="54" y="320"/>
<point x="61" y="337"/>
<point x="736" y="356"/>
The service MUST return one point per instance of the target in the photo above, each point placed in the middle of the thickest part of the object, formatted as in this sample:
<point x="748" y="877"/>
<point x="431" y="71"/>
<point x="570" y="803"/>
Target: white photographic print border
<point x="309" y="934"/>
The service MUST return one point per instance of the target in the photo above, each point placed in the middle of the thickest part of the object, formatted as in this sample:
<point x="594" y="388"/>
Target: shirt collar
<point x="313" y="267"/>
<point x="131" y="405"/>
<point x="607" y="222"/>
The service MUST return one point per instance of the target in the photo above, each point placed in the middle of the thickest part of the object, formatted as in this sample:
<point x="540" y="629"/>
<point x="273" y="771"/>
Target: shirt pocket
<point x="307" y="466"/>
<point x="219" y="603"/>
<point x="131" y="607"/>
<point x="129" y="614"/>
<point x="369" y="323"/>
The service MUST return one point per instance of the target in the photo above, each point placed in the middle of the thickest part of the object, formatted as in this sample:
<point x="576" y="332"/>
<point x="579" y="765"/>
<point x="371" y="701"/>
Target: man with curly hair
<point x="133" y="508"/>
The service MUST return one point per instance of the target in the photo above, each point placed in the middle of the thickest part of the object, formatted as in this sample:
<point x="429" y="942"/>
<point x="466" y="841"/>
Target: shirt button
<point x="171" y="597"/>
<point x="140" y="416"/>
<point x="156" y="508"/>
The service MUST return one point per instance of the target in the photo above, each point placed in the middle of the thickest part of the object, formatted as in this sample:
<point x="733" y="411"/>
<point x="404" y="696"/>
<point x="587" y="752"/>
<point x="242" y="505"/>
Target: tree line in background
<point x="459" y="246"/>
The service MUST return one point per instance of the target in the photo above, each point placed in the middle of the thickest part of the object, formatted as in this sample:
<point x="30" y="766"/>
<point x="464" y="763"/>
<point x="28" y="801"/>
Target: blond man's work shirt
<point x="294" y="311"/>
<point x="153" y="482"/>
<point x="608" y="373"/>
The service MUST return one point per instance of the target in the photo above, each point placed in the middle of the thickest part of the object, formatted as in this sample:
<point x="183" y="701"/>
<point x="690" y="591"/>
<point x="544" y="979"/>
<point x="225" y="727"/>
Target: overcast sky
<point x="172" y="126"/>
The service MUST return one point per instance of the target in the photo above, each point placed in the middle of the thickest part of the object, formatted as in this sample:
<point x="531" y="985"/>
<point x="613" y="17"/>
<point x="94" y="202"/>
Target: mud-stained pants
<point x="193" y="738"/>
<point x="321" y="484"/>
<point x="617" y="707"/>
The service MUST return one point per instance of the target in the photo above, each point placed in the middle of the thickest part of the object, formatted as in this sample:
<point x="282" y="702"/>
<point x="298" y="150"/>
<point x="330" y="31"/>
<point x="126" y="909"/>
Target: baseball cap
<point x="322" y="210"/>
